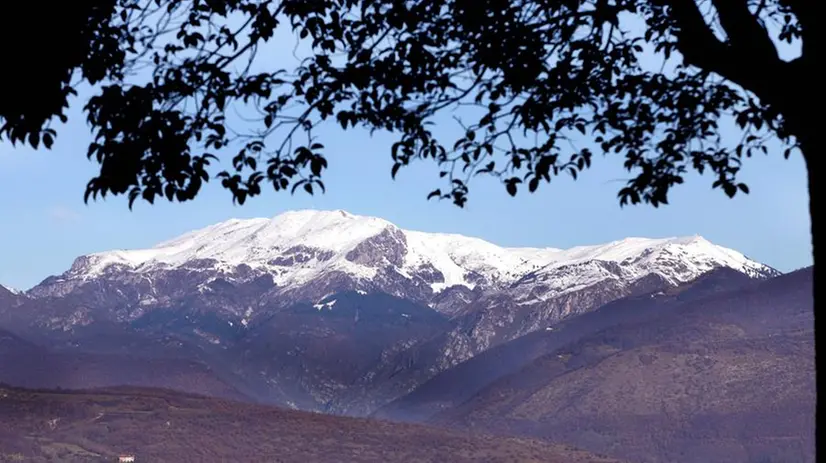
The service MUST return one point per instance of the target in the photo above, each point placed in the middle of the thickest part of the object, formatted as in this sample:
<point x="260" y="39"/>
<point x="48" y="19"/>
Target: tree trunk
<point x="817" y="249"/>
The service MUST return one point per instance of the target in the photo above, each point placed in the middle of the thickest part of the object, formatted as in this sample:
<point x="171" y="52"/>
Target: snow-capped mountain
<point x="281" y="302"/>
<point x="297" y="248"/>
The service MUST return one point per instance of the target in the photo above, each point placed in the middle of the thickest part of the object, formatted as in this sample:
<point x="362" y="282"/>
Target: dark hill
<point x="164" y="426"/>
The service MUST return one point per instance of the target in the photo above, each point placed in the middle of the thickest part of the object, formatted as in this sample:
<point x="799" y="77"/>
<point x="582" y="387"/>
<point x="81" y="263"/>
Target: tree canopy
<point x="534" y="77"/>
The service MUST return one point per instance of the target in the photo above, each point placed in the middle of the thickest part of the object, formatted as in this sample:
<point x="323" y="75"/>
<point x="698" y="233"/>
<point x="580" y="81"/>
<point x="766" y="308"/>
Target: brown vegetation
<point x="159" y="426"/>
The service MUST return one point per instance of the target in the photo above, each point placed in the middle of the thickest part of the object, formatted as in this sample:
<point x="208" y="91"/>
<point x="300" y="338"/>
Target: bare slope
<point x="728" y="377"/>
<point x="160" y="426"/>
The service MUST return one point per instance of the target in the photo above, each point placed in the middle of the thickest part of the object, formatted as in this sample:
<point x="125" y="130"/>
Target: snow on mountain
<point x="631" y="249"/>
<point x="254" y="242"/>
<point x="297" y="247"/>
<point x="676" y="260"/>
<point x="323" y="241"/>
<point x="456" y="255"/>
<point x="11" y="290"/>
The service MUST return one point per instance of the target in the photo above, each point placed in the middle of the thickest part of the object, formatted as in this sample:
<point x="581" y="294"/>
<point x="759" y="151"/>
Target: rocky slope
<point x="454" y="386"/>
<point x="325" y="310"/>
<point x="692" y="376"/>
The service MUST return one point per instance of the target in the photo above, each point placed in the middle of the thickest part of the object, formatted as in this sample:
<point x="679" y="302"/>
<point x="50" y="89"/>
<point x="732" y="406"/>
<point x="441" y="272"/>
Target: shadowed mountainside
<point x="452" y="387"/>
<point x="160" y="426"/>
<point x="342" y="350"/>
<point x="27" y="365"/>
<point x="698" y="376"/>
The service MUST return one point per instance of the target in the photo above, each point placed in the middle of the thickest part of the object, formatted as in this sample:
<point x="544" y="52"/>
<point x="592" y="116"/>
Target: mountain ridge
<point x="331" y="241"/>
<point x="296" y="285"/>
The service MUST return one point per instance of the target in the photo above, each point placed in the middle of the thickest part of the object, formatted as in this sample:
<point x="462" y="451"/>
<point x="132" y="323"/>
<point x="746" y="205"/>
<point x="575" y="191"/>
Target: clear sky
<point x="46" y="225"/>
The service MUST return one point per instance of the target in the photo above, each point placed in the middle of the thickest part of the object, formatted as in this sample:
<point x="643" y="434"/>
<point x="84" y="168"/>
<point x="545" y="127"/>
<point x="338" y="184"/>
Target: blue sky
<point x="45" y="223"/>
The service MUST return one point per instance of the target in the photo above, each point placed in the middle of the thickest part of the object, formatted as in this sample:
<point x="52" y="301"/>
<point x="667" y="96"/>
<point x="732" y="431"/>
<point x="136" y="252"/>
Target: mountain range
<point x="331" y="312"/>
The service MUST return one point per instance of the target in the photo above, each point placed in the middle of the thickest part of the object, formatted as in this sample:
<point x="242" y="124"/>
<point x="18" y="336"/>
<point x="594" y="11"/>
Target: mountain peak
<point x="299" y="246"/>
<point x="309" y="215"/>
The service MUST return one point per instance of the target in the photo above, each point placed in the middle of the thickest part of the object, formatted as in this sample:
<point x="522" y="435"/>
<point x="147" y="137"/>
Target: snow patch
<point x="325" y="305"/>
<point x="247" y="314"/>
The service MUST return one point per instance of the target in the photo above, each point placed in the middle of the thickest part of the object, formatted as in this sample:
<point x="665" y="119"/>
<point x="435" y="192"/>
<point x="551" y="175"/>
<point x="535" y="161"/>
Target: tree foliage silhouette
<point x="537" y="77"/>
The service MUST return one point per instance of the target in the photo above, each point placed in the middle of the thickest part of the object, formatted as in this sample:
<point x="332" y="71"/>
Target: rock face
<point x="329" y="311"/>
